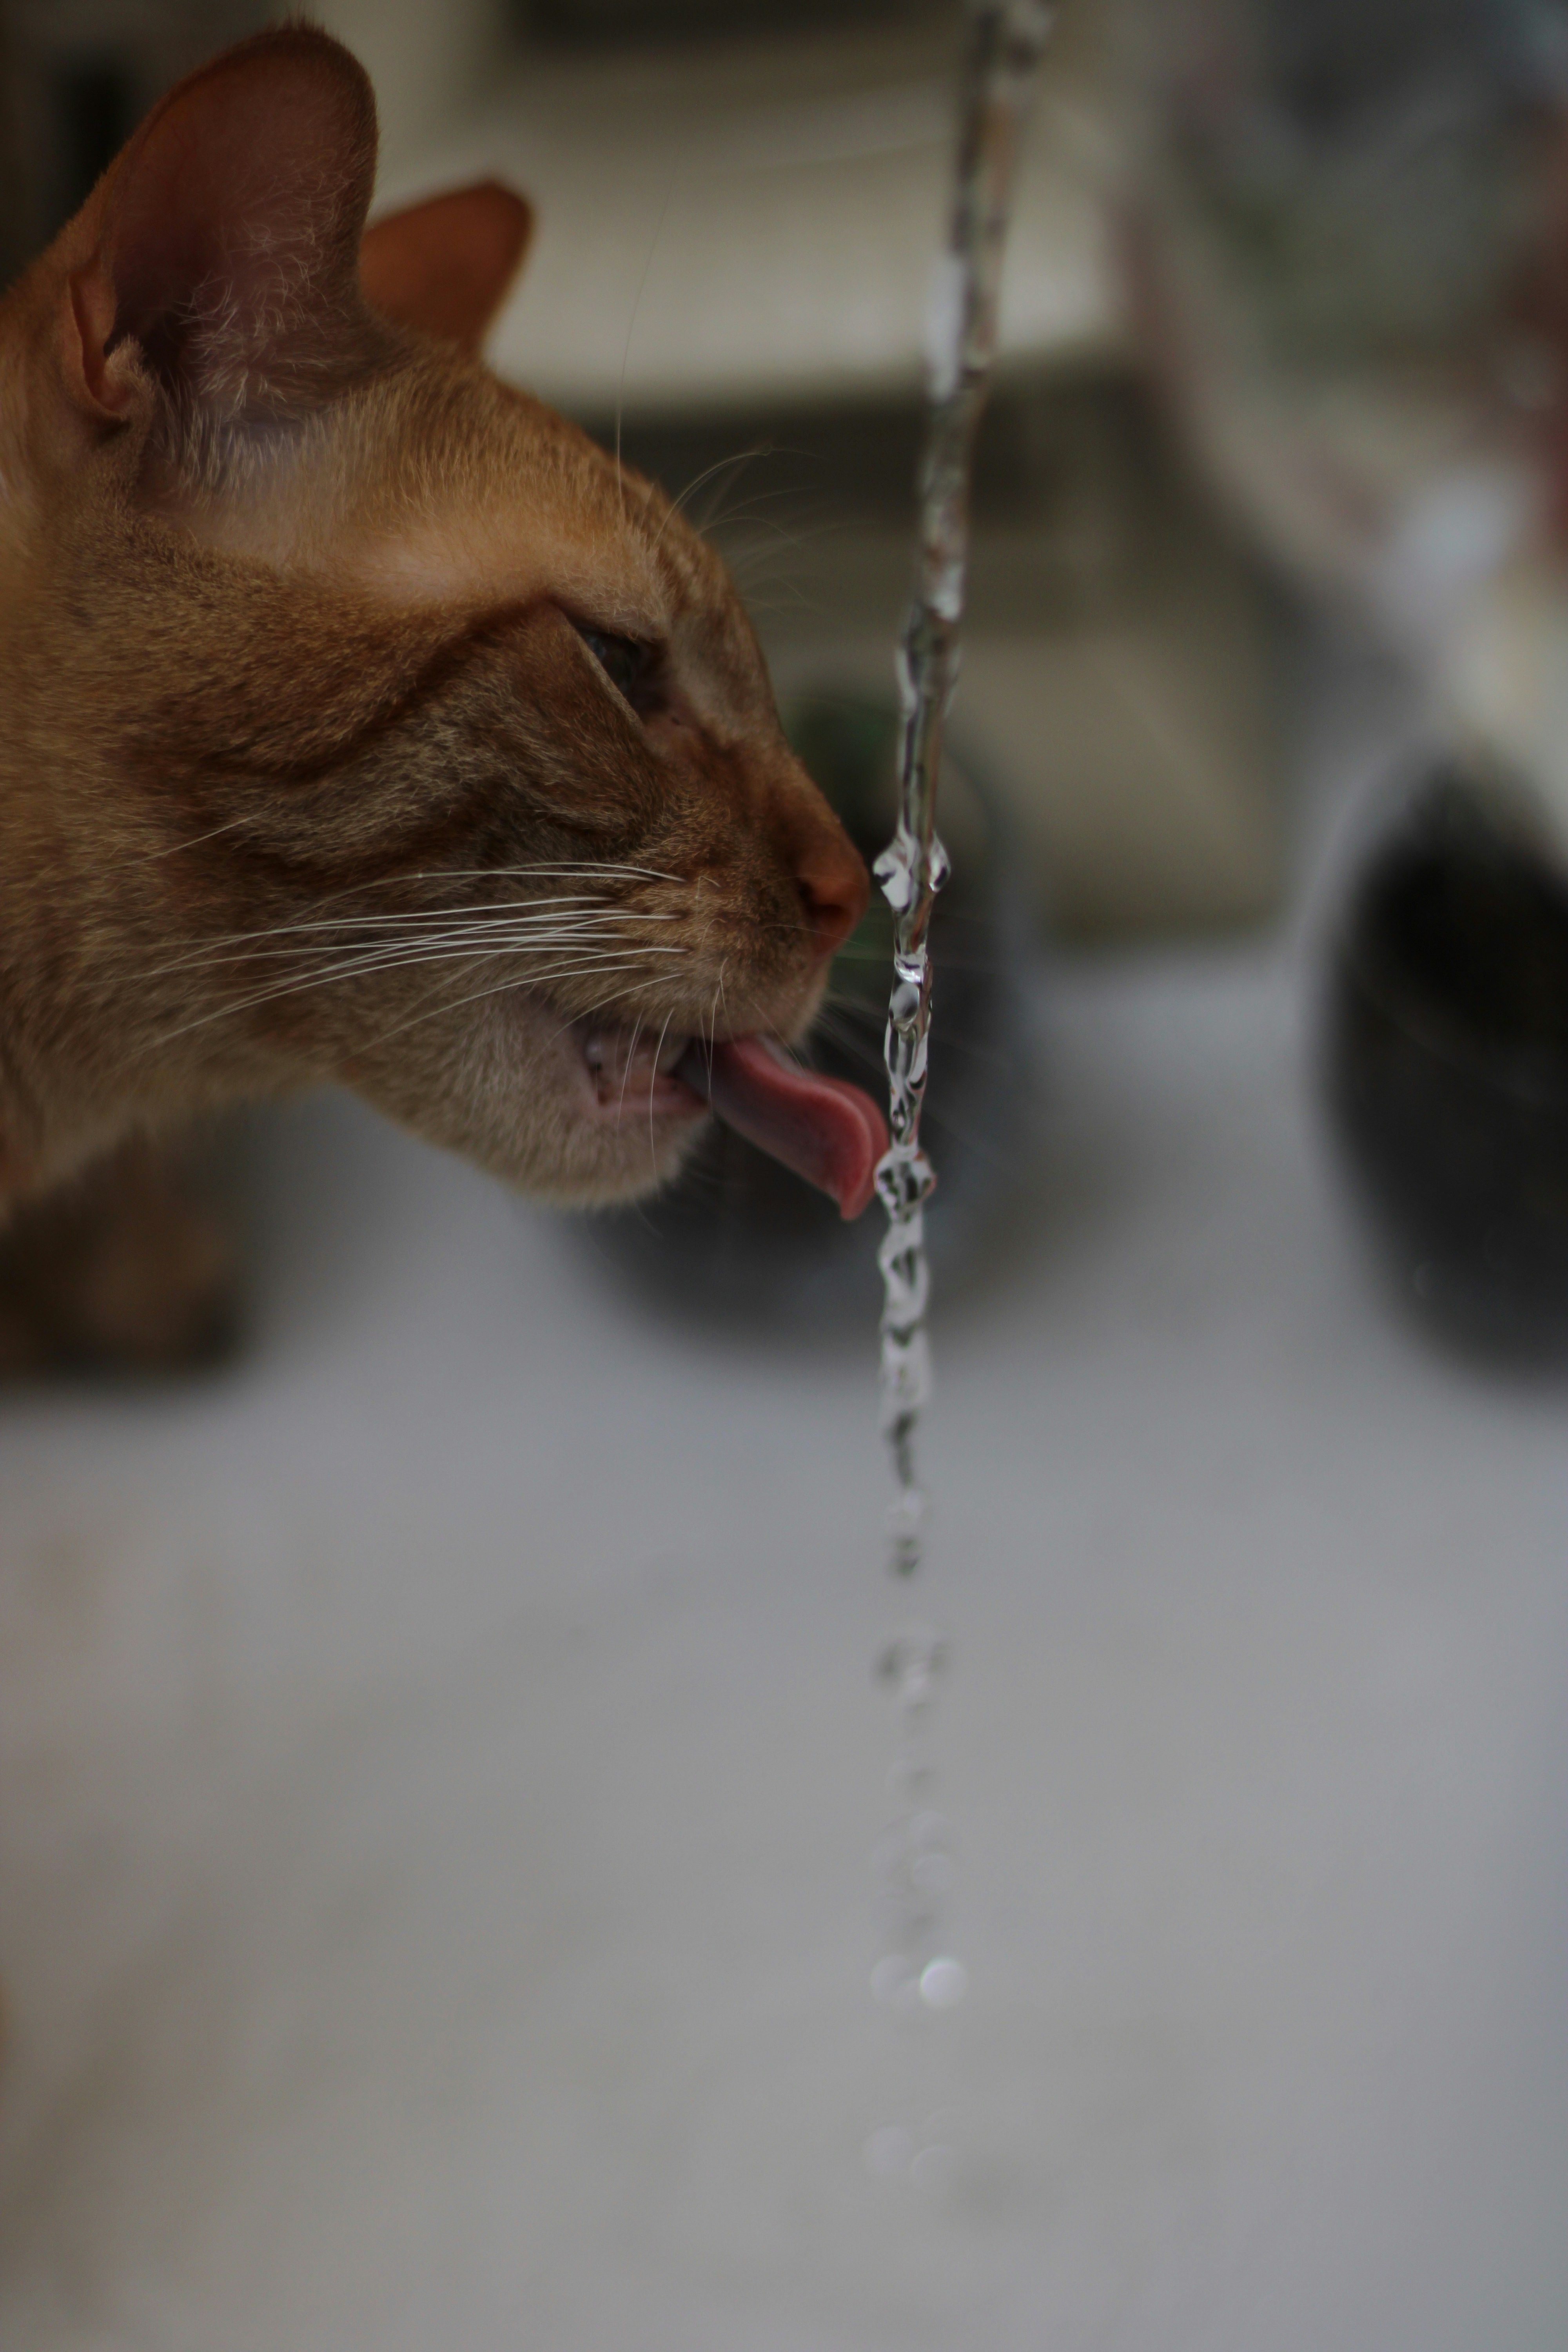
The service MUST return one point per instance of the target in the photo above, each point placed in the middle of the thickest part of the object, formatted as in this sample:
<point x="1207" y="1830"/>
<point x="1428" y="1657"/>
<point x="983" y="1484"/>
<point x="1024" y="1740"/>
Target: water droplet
<point x="907" y="1517"/>
<point x="945" y="593"/>
<point x="944" y="1983"/>
<point x="895" y="872"/>
<point x="933" y="2169"/>
<point x="904" y="1005"/>
<point x="911" y="1663"/>
<point x="931" y="1872"/>
<point x="908" y="1779"/>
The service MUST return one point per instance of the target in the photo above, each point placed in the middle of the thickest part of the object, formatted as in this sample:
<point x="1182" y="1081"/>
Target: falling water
<point x="915" y="1972"/>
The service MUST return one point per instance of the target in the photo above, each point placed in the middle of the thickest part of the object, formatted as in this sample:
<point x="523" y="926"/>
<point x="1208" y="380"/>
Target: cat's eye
<point x="628" y="664"/>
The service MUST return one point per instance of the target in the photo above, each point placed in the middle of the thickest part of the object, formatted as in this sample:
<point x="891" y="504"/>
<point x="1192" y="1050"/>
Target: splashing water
<point x="915" y="1974"/>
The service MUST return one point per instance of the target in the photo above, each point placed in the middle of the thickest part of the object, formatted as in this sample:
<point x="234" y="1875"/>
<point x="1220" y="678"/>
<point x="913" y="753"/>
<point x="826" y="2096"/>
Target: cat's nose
<point x="834" y="886"/>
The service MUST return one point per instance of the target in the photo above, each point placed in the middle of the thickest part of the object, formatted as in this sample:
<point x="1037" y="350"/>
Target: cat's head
<point x="385" y="729"/>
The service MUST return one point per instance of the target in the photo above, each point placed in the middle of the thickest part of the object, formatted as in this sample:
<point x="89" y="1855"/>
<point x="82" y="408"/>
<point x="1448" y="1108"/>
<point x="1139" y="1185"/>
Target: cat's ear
<point x="222" y="247"/>
<point x="444" y="267"/>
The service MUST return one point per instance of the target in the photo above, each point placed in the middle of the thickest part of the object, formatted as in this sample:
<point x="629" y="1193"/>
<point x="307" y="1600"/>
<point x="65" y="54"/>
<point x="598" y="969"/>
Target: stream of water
<point x="916" y="1973"/>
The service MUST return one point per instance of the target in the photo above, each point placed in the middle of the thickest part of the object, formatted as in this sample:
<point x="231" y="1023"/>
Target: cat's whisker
<point x="802" y="535"/>
<point x="652" y="1082"/>
<point x="573" y="870"/>
<point x="393" y="958"/>
<point x="577" y="867"/>
<point x="743" y="457"/>
<point x="291" y="939"/>
<point x="336" y="974"/>
<point x="516" y="910"/>
<point x="503" y="915"/>
<point x="611" y="959"/>
<point x="172" y="848"/>
<point x="501" y="989"/>
<point x="526" y="980"/>
<point x="861" y="1049"/>
<point x="388" y="955"/>
<point x="626" y="1070"/>
<point x="575" y="1019"/>
<point x="400" y="946"/>
<point x="718" y="517"/>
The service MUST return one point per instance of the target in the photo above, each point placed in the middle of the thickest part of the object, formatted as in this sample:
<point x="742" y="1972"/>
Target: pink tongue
<point x="827" y="1132"/>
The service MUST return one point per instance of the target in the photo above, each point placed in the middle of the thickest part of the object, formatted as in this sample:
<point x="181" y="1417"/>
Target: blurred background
<point x="437" y="1753"/>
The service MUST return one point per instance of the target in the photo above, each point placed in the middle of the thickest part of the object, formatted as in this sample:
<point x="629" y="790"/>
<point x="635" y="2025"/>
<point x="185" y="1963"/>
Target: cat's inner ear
<point x="445" y="266"/>
<point x="225" y="240"/>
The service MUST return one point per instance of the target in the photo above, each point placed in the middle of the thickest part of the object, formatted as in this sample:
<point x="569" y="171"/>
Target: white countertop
<point x="438" y="1762"/>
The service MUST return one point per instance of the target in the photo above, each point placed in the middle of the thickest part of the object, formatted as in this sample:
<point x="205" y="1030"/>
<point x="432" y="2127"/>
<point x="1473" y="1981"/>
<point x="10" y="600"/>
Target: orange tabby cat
<point x="360" y="719"/>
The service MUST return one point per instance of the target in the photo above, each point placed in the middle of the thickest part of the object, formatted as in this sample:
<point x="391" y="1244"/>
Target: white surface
<point x="723" y="225"/>
<point x="436" y="1766"/>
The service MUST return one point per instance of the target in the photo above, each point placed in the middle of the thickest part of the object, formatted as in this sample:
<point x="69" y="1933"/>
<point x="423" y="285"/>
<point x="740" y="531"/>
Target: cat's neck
<point x="69" y="888"/>
<point x="45" y="1125"/>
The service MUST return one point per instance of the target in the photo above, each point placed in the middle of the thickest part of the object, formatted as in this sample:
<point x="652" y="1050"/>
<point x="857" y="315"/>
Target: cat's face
<point x="411" y="741"/>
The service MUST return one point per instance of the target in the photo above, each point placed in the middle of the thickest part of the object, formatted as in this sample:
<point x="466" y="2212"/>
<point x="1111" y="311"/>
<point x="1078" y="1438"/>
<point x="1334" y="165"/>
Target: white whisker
<point x="741" y="458"/>
<point x="627" y="1066"/>
<point x="526" y="981"/>
<point x="172" y="848"/>
<point x="652" y="1082"/>
<point x="478" y="937"/>
<point x="518" y="910"/>
<point x="613" y="957"/>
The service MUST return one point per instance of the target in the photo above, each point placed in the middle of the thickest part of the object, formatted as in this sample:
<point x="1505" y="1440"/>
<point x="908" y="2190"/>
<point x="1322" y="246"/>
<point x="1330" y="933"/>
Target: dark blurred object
<point x="1351" y="221"/>
<point x="1447" y="1064"/>
<point x="81" y="75"/>
<point x="740" y="1238"/>
<point x="1373" y="165"/>
<point x="128" y="1268"/>
<point x="627" y="21"/>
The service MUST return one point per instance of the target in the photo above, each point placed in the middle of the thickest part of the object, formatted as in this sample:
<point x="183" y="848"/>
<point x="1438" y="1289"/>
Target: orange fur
<point x="296" y="701"/>
<point x="441" y="266"/>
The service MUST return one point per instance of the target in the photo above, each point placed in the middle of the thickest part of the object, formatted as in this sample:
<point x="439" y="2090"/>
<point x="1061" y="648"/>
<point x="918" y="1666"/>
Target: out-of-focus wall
<point x="78" y="76"/>
<point x="429" y="62"/>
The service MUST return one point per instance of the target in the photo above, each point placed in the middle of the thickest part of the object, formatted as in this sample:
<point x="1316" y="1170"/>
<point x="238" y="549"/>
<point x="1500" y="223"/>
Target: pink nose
<point x="832" y="885"/>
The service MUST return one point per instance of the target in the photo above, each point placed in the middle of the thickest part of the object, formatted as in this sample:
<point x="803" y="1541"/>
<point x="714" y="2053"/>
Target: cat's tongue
<point x="826" y="1130"/>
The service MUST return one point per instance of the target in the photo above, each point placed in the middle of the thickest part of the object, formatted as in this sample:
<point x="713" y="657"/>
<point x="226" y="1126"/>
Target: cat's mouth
<point x="826" y="1130"/>
<point x="632" y="1072"/>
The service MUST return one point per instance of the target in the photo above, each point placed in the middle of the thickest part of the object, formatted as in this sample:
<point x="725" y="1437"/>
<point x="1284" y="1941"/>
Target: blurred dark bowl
<point x="1447" y="1064"/>
<point x="740" y="1238"/>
